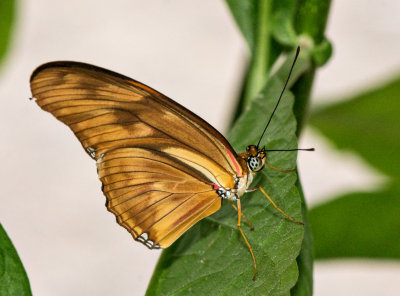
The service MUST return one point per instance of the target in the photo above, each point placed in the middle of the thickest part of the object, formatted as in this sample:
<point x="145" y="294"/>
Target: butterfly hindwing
<point x="152" y="196"/>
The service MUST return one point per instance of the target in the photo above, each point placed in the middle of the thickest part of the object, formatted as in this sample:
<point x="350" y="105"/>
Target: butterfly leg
<point x="274" y="204"/>
<point x="280" y="170"/>
<point x="248" y="221"/>
<point x="239" y="209"/>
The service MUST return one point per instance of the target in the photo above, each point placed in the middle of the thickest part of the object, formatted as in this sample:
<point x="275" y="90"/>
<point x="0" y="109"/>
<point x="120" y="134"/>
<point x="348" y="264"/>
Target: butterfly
<point x="162" y="167"/>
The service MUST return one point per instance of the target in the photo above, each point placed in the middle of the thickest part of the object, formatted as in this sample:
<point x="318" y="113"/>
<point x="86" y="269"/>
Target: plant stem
<point x="311" y="20"/>
<point x="302" y="91"/>
<point x="259" y="68"/>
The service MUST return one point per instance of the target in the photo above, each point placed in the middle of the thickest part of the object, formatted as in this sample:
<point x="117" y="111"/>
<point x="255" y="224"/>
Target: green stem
<point x="311" y="21"/>
<point x="259" y="69"/>
<point x="312" y="17"/>
<point x="302" y="90"/>
<point x="304" y="285"/>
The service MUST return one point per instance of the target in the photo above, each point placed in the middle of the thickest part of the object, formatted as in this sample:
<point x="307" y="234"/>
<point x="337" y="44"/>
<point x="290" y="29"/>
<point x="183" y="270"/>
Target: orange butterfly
<point x="162" y="167"/>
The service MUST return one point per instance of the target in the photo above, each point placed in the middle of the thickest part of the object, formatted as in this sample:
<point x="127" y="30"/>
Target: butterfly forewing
<point x="157" y="161"/>
<point x="80" y="93"/>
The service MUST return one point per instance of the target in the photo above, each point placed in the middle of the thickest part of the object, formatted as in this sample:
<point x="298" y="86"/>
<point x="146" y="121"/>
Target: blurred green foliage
<point x="362" y="224"/>
<point x="13" y="278"/>
<point x="7" y="16"/>
<point x="367" y="124"/>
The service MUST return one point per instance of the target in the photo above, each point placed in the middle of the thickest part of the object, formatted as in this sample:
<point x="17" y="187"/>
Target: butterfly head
<point x="255" y="158"/>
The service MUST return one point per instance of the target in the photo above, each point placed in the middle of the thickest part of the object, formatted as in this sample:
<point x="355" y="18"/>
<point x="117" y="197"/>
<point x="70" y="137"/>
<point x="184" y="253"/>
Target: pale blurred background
<point x="51" y="203"/>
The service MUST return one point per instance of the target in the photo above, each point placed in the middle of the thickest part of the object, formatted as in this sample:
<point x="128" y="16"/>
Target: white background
<point x="51" y="203"/>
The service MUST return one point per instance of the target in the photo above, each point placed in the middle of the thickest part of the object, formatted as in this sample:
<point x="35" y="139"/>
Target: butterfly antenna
<point x="297" y="149"/>
<point x="280" y="97"/>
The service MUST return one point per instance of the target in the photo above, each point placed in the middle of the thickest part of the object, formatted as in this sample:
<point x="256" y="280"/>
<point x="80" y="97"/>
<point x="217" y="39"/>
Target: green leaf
<point x="358" y="225"/>
<point x="13" y="278"/>
<point x="212" y="257"/>
<point x="7" y="9"/>
<point x="322" y="53"/>
<point x="245" y="14"/>
<point x="367" y="124"/>
<point x="283" y="16"/>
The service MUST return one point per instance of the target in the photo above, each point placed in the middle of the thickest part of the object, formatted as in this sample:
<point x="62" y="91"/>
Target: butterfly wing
<point x="156" y="159"/>
<point x="153" y="196"/>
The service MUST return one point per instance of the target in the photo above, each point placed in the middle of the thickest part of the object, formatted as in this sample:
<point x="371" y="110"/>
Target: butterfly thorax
<point x="245" y="180"/>
<point x="251" y="162"/>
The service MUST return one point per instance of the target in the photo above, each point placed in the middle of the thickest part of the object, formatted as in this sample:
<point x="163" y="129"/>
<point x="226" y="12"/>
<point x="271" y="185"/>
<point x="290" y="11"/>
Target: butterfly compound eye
<point x="255" y="164"/>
